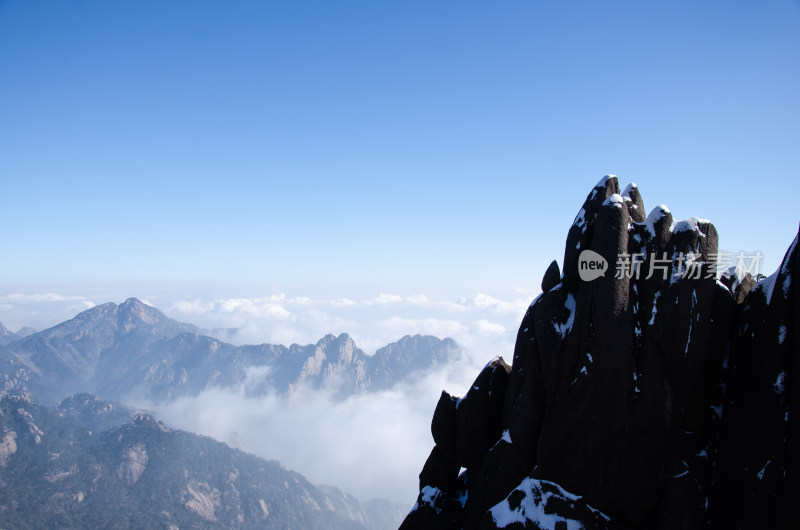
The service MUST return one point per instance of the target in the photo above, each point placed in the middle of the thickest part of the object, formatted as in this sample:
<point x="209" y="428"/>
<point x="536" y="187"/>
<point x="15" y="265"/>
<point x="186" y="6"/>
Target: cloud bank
<point x="475" y="321"/>
<point x="372" y="445"/>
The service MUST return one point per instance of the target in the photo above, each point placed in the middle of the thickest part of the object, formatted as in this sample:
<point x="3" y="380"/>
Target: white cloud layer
<point x="477" y="321"/>
<point x="372" y="445"/>
<point x="40" y="310"/>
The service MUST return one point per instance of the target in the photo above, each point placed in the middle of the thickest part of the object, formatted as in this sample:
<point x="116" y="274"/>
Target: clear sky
<point x="295" y="168"/>
<point x="402" y="147"/>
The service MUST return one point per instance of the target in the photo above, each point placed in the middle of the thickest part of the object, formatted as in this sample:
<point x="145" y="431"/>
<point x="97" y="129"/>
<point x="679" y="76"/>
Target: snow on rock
<point x="782" y="277"/>
<point x="760" y="474"/>
<point x="766" y="286"/>
<point x="738" y="281"/>
<point x="655" y="215"/>
<point x="562" y="328"/>
<point x="580" y="219"/>
<point x="755" y="432"/>
<point x="736" y="274"/>
<point x="614" y="200"/>
<point x="603" y="182"/>
<point x="547" y="506"/>
<point x="654" y="397"/>
<point x="779" y="383"/>
<point x="692" y="224"/>
<point x="428" y="495"/>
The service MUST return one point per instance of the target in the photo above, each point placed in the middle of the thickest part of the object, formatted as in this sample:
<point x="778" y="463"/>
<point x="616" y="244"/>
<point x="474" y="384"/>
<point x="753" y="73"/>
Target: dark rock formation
<point x="758" y="471"/>
<point x="614" y="413"/>
<point x="552" y="277"/>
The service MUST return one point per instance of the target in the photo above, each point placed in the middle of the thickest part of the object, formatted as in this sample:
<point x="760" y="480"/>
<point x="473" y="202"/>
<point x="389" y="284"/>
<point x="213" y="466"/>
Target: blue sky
<point x="290" y="169"/>
<point x="408" y="147"/>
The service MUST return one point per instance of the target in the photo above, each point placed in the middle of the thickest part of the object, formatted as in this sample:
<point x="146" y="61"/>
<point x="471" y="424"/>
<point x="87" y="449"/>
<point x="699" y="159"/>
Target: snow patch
<point x="628" y="189"/>
<point x="655" y="308"/>
<point x="738" y="273"/>
<point x="760" y="474"/>
<point x="428" y="495"/>
<point x="533" y="507"/>
<point x="653" y="217"/>
<point x="506" y="436"/>
<point x="603" y="181"/>
<point x="778" y="385"/>
<point x="691" y="320"/>
<point x="580" y="219"/>
<point x="614" y="200"/>
<point x="564" y="328"/>
<point x="767" y="285"/>
<point x="690" y="225"/>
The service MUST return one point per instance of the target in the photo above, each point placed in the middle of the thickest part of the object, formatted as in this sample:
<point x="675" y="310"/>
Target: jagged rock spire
<point x="611" y="410"/>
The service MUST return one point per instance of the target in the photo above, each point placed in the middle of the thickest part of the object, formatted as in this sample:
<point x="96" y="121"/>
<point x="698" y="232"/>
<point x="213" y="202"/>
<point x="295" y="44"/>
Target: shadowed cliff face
<point x="643" y="393"/>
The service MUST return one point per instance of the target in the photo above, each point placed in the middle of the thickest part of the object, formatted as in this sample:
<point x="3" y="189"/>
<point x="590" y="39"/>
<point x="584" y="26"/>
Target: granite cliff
<point x="645" y="391"/>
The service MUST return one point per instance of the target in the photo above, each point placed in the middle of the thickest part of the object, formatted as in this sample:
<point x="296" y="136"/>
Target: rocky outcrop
<point x="57" y="473"/>
<point x="134" y="462"/>
<point x="757" y="481"/>
<point x="643" y="393"/>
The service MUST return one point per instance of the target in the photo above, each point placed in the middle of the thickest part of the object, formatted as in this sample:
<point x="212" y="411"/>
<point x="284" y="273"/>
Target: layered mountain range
<point x="132" y="350"/>
<point x="657" y="395"/>
<point x="72" y="460"/>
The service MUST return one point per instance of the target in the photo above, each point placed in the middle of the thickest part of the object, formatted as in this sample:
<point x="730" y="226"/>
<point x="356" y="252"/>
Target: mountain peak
<point x="328" y="339"/>
<point x="133" y="301"/>
<point x="133" y="307"/>
<point x="71" y="352"/>
<point x="6" y="335"/>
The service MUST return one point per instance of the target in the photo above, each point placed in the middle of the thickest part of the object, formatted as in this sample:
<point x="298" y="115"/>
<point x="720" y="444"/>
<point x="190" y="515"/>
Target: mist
<point x="370" y="445"/>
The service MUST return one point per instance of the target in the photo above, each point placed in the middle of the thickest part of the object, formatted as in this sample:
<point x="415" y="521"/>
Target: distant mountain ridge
<point x="7" y="336"/>
<point x="133" y="349"/>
